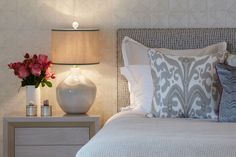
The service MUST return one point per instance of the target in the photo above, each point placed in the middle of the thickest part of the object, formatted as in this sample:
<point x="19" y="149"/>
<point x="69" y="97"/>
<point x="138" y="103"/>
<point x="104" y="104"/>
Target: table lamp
<point x="76" y="93"/>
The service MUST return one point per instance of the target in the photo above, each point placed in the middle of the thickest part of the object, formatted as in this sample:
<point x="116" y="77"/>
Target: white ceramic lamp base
<point x="76" y="93"/>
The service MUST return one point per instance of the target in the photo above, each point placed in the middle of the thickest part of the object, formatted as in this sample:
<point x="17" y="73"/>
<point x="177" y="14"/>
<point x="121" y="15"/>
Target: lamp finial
<point x="75" y="25"/>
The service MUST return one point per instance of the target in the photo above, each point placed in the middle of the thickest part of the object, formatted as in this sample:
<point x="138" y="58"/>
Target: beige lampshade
<point x="75" y="46"/>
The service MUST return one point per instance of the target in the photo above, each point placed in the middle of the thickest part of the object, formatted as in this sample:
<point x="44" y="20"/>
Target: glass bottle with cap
<point x="31" y="109"/>
<point x="46" y="109"/>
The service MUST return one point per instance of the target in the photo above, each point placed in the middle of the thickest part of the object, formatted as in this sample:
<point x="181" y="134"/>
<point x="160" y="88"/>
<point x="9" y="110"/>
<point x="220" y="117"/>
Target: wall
<point x="25" y="27"/>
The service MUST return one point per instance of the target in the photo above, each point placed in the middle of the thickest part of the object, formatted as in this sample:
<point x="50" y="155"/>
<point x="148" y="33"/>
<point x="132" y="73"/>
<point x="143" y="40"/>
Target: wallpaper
<point x="25" y="26"/>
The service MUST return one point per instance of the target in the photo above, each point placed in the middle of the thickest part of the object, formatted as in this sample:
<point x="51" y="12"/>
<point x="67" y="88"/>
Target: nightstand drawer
<point x="46" y="151"/>
<point x="52" y="136"/>
<point x="58" y="136"/>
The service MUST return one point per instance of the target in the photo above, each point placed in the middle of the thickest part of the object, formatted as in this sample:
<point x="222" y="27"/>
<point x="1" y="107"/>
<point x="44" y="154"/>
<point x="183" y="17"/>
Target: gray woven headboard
<point x="170" y="38"/>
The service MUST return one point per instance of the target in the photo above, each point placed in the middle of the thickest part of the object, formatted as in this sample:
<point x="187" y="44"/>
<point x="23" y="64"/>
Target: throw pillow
<point x="185" y="86"/>
<point x="227" y="76"/>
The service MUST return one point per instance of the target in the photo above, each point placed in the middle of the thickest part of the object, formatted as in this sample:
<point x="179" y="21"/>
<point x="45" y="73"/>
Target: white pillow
<point x="135" y="53"/>
<point x="141" y="86"/>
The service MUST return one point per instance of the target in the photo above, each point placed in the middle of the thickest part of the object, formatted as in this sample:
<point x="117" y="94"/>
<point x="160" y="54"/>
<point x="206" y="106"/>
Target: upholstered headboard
<point x="173" y="39"/>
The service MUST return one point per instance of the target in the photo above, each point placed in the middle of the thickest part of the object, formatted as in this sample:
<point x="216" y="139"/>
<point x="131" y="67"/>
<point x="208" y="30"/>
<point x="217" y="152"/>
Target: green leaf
<point x="48" y="83"/>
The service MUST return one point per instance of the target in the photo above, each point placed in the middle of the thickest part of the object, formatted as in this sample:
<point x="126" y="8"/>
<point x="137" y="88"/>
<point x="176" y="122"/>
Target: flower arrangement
<point x="33" y="70"/>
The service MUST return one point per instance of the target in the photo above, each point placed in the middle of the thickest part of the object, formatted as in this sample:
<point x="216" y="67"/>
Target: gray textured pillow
<point x="185" y="87"/>
<point x="227" y="76"/>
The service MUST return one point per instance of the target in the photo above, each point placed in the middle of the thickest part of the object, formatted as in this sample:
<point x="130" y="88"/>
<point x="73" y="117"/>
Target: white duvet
<point x="133" y="135"/>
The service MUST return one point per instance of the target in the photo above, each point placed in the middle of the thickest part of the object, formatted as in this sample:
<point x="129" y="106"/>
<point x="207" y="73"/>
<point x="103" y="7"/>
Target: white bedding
<point x="131" y="134"/>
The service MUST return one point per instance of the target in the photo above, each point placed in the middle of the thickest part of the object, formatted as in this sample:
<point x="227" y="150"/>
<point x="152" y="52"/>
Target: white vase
<point x="33" y="94"/>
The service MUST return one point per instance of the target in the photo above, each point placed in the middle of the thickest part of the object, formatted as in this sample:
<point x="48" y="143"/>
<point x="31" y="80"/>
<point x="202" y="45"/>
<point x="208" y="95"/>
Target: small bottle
<point x="46" y="109"/>
<point x="31" y="109"/>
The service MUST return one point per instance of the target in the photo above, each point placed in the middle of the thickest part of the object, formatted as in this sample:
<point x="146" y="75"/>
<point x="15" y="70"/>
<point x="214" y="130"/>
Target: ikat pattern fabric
<point x="227" y="76"/>
<point x="185" y="87"/>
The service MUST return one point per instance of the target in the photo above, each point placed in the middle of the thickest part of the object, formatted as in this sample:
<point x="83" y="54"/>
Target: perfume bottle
<point x="31" y="109"/>
<point x="46" y="109"/>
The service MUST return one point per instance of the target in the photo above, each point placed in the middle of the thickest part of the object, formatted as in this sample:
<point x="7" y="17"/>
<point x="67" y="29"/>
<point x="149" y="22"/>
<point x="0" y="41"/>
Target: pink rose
<point x="23" y="72"/>
<point x="53" y="76"/>
<point x="43" y="59"/>
<point x="14" y="66"/>
<point x="27" y="62"/>
<point x="34" y="58"/>
<point x="36" y="69"/>
<point x="47" y="65"/>
<point x="49" y="74"/>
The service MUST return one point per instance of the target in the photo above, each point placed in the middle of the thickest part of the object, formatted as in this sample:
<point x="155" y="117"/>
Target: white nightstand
<point x="57" y="136"/>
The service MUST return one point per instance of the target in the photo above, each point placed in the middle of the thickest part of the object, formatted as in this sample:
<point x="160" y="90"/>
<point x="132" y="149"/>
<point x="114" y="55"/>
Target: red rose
<point x="42" y="59"/>
<point x="27" y="56"/>
<point x="14" y="66"/>
<point x="23" y="72"/>
<point x="34" y="57"/>
<point x="36" y="69"/>
<point x="47" y="65"/>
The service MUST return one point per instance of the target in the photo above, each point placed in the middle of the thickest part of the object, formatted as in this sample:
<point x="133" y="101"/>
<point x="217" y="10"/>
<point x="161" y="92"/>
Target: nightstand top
<point x="54" y="118"/>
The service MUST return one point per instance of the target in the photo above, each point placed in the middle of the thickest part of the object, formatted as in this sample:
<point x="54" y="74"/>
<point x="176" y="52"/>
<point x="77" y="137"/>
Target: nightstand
<point x="57" y="136"/>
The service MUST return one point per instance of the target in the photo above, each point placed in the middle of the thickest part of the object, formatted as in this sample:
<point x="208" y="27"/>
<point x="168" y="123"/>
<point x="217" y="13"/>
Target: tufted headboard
<point x="173" y="39"/>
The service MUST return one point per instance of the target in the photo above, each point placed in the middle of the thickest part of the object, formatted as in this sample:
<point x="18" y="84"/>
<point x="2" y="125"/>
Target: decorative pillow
<point x="135" y="53"/>
<point x="227" y="76"/>
<point x="141" y="86"/>
<point x="185" y="87"/>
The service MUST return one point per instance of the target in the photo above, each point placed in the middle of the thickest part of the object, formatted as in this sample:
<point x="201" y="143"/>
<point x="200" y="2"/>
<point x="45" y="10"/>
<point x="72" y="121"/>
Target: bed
<point x="132" y="134"/>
